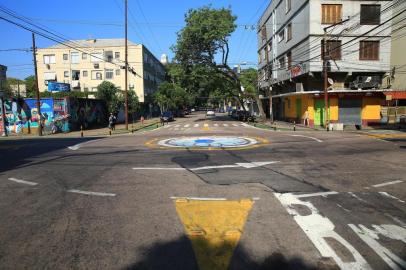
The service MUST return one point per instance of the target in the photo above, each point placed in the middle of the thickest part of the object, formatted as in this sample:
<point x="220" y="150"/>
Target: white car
<point x="210" y="114"/>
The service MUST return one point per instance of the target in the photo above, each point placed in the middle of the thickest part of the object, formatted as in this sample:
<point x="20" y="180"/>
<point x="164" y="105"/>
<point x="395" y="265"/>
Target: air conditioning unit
<point x="299" y="87"/>
<point x="366" y="82"/>
<point x="96" y="65"/>
<point x="48" y="66"/>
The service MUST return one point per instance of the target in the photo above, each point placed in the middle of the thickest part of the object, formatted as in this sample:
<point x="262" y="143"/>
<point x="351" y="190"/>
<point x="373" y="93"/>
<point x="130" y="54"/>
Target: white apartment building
<point x="84" y="64"/>
<point x="290" y="37"/>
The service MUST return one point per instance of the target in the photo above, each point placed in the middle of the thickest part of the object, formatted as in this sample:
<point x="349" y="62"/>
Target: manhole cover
<point x="208" y="142"/>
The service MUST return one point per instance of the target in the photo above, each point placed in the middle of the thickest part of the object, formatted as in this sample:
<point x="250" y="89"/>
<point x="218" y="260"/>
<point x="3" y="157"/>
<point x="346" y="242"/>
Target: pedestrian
<point x="162" y="120"/>
<point x="306" y="118"/>
<point x="111" y="121"/>
<point x="142" y="120"/>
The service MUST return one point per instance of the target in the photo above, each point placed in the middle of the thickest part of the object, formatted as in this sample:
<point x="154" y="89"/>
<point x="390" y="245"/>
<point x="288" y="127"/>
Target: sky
<point x="152" y="23"/>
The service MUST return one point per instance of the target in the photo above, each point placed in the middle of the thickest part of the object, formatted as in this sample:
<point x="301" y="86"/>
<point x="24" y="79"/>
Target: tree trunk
<point x="262" y="113"/>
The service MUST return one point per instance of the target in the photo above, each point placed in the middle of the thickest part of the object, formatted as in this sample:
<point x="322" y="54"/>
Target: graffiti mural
<point x="17" y="115"/>
<point x="87" y="113"/>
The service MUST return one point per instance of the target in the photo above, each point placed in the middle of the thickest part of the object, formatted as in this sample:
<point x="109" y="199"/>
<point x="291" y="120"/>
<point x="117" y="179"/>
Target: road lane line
<point x="316" y="194"/>
<point x="215" y="167"/>
<point x="159" y="168"/>
<point x="313" y="138"/>
<point x="22" y="181"/>
<point x="196" y="125"/>
<point x="388" y="183"/>
<point x="207" y="198"/>
<point x="386" y="194"/>
<point x="91" y="193"/>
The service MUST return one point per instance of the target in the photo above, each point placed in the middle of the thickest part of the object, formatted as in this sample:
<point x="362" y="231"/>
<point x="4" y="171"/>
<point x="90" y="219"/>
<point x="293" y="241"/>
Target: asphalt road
<point x="293" y="200"/>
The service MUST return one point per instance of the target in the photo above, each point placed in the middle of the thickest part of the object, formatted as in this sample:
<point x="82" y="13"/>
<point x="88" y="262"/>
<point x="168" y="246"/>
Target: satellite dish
<point x="330" y="81"/>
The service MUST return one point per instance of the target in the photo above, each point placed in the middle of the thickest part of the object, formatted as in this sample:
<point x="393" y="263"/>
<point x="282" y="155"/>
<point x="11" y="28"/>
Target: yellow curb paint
<point x="214" y="228"/>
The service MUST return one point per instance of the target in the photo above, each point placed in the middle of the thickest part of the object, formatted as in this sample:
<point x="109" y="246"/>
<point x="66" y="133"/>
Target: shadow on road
<point x="18" y="152"/>
<point x="178" y="254"/>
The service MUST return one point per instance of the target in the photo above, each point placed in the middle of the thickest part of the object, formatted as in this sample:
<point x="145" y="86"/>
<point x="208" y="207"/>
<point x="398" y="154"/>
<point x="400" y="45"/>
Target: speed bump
<point x="214" y="228"/>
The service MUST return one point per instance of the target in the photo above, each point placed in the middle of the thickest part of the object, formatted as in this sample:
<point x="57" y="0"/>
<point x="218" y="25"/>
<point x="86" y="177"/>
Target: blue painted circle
<point x="208" y="142"/>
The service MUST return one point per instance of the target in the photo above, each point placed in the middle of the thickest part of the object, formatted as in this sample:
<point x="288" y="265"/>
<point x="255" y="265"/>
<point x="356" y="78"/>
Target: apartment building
<point x="358" y="52"/>
<point x="84" y="64"/>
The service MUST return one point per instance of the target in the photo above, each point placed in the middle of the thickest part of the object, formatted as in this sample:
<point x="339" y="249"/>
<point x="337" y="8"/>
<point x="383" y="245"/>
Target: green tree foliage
<point x="108" y="92"/>
<point x="171" y="96"/>
<point x="133" y="102"/>
<point x="200" y="44"/>
<point x="30" y="86"/>
<point x="249" y="80"/>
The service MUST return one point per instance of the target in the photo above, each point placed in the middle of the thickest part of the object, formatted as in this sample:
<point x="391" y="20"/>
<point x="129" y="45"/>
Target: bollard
<point x="110" y="132"/>
<point x="294" y="125"/>
<point x="81" y="131"/>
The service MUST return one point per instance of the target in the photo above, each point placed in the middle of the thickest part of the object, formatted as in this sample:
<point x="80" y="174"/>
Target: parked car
<point x="167" y="116"/>
<point x="210" y="114"/>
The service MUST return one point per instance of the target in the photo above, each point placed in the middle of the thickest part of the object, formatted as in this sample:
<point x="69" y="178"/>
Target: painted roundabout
<point x="208" y="142"/>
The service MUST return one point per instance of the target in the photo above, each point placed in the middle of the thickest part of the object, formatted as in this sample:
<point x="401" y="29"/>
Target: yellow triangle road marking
<point x="214" y="228"/>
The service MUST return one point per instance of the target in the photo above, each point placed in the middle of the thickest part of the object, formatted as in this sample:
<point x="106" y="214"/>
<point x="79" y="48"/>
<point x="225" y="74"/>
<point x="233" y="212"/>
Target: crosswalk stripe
<point x="235" y="125"/>
<point x="206" y="125"/>
<point x="177" y="126"/>
<point x="187" y="125"/>
<point x="226" y="125"/>
<point x="216" y="125"/>
<point x="196" y="125"/>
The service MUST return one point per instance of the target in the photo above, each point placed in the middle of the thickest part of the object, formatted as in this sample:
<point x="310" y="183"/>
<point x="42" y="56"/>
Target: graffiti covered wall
<point x="87" y="113"/>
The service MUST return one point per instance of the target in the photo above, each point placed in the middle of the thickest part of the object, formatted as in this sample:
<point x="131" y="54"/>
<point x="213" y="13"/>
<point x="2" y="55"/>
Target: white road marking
<point x="23" y="181"/>
<point x="386" y="194"/>
<point x="318" y="228"/>
<point x="388" y="183"/>
<point x="225" y="125"/>
<point x="206" y="125"/>
<point x="358" y="198"/>
<point x="177" y="126"/>
<point x="159" y="168"/>
<point x="316" y="194"/>
<point x="186" y="126"/>
<point x="235" y="125"/>
<point x="313" y="138"/>
<point x="245" y="125"/>
<point x="247" y="165"/>
<point x="216" y="125"/>
<point x="371" y="237"/>
<point x="91" y="193"/>
<point x="196" y="125"/>
<point x="342" y="207"/>
<point x="77" y="146"/>
<point x="167" y="126"/>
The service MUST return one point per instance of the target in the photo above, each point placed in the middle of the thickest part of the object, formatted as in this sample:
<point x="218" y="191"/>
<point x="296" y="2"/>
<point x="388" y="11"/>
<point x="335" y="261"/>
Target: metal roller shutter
<point x="349" y="111"/>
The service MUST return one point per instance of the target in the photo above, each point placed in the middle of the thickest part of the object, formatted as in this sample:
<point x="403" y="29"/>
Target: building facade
<point x="84" y="64"/>
<point x="357" y="52"/>
<point x="3" y="77"/>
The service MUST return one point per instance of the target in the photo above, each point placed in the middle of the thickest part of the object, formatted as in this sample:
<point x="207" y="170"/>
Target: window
<point x="96" y="57"/>
<point x="369" y="50"/>
<point x="288" y="5"/>
<point x="264" y="54"/>
<point x="108" y="55"/>
<point x="370" y="14"/>
<point x="269" y="47"/>
<point x="94" y="89"/>
<point x="74" y="57"/>
<point x="259" y="57"/>
<point x="49" y="59"/>
<point x="331" y="13"/>
<point x="84" y="56"/>
<point x="289" y="32"/>
<point x="65" y="57"/>
<point x="263" y="33"/>
<point x="117" y="55"/>
<point x="333" y="49"/>
<point x="84" y="73"/>
<point x="66" y="74"/>
<point x="109" y="74"/>
<point x="97" y="75"/>
<point x="289" y="56"/>
<point x="281" y="35"/>
<point x="282" y="62"/>
<point x="75" y="75"/>
<point x="117" y="72"/>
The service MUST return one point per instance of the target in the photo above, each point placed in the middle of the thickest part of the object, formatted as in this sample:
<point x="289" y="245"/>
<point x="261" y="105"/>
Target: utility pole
<point x="34" y="52"/>
<point x="126" y="68"/>
<point x="325" y="80"/>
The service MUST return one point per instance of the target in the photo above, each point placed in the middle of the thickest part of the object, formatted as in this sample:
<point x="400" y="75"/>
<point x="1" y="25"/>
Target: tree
<point x="108" y="92"/>
<point x="204" y="39"/>
<point x="171" y="96"/>
<point x="133" y="103"/>
<point x="249" y="80"/>
<point x="30" y="86"/>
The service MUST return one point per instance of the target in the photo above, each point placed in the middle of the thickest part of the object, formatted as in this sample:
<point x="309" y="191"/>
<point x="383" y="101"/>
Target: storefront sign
<point x="58" y="87"/>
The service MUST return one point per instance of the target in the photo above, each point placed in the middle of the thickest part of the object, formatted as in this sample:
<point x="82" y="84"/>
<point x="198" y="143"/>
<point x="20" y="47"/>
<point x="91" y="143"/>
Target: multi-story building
<point x="3" y="77"/>
<point x="291" y="36"/>
<point x="84" y="64"/>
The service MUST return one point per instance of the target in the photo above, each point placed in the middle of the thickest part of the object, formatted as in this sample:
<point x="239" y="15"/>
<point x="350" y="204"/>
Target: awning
<point x="50" y="76"/>
<point x="396" y="94"/>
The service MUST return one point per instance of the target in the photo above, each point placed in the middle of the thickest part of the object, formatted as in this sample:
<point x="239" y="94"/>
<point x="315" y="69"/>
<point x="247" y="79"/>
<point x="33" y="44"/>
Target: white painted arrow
<point x="247" y="165"/>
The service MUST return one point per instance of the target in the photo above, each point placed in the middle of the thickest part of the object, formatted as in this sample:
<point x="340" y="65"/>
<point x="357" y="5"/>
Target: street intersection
<point x="204" y="194"/>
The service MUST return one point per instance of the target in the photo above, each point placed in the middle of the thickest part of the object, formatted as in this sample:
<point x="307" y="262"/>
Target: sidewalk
<point x="96" y="132"/>
<point x="284" y="126"/>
